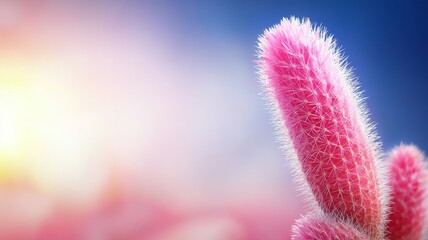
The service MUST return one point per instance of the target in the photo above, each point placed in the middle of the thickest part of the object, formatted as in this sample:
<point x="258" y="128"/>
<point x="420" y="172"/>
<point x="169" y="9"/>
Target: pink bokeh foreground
<point x="118" y="214"/>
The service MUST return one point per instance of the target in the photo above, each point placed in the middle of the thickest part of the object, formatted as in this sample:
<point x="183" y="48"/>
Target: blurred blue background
<point x="385" y="41"/>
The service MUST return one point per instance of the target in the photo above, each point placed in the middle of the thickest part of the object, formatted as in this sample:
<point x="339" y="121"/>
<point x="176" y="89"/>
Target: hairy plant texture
<point x="317" y="102"/>
<point x="408" y="181"/>
<point x="322" y="228"/>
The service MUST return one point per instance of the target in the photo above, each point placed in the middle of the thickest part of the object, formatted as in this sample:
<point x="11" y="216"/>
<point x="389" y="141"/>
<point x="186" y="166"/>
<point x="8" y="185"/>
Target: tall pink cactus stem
<point x="323" y="228"/>
<point x="408" y="181"/>
<point x="315" y="98"/>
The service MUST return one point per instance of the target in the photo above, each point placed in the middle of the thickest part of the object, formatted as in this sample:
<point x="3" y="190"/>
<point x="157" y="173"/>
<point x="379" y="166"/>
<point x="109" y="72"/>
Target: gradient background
<point x="144" y="119"/>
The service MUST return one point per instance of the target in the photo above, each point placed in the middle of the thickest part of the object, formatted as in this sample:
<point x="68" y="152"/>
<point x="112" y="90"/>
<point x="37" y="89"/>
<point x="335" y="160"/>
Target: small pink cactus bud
<point x="408" y="182"/>
<point x="323" y="228"/>
<point x="316" y="100"/>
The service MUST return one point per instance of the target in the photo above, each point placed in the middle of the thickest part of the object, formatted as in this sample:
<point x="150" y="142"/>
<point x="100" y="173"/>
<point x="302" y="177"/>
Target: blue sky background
<point x="385" y="41"/>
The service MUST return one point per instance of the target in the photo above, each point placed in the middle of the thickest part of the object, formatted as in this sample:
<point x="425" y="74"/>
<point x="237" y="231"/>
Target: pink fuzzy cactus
<point x="408" y="181"/>
<point x="315" y="98"/>
<point x="323" y="228"/>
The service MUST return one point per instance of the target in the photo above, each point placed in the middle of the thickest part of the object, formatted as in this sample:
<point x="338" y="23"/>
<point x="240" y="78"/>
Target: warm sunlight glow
<point x="48" y="139"/>
<point x="8" y="129"/>
<point x="13" y="112"/>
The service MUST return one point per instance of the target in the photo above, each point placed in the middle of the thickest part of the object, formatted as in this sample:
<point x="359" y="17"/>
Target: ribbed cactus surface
<point x="408" y="183"/>
<point x="322" y="228"/>
<point x="322" y="114"/>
